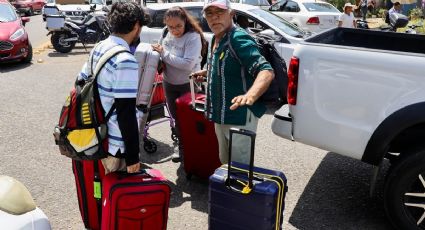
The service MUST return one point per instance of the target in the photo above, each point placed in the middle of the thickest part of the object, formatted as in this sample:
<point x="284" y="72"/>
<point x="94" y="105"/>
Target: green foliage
<point x="339" y="4"/>
<point x="415" y="13"/>
<point x="381" y="13"/>
<point x="419" y="30"/>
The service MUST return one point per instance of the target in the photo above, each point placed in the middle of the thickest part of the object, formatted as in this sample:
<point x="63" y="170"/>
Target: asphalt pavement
<point x="326" y="190"/>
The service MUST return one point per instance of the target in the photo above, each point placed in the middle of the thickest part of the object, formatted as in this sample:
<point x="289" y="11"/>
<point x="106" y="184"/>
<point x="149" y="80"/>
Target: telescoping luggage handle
<point x="248" y="187"/>
<point x="199" y="107"/>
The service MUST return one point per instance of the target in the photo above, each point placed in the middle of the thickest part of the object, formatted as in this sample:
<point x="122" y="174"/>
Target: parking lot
<point x="326" y="191"/>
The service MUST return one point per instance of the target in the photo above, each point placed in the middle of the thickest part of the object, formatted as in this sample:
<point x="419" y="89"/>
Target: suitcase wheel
<point x="149" y="146"/>
<point x="174" y="135"/>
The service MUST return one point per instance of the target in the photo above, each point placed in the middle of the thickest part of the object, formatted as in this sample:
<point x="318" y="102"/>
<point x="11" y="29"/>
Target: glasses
<point x="210" y="14"/>
<point x="178" y="27"/>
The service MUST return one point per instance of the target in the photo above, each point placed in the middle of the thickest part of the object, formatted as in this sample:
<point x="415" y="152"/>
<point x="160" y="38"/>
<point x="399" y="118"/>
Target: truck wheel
<point x="404" y="192"/>
<point x="59" y="44"/>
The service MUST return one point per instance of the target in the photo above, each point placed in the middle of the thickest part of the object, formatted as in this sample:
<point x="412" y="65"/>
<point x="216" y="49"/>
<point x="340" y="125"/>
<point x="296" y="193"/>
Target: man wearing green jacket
<point x="231" y="97"/>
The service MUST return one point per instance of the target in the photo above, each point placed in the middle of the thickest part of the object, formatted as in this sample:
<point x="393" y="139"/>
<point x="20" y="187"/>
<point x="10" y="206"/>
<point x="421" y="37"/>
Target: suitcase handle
<point x="200" y="107"/>
<point x="122" y="174"/>
<point x="247" y="187"/>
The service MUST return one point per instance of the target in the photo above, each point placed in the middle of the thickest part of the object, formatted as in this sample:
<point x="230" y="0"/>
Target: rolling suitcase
<point x="148" y="60"/>
<point x="243" y="197"/>
<point x="197" y="135"/>
<point x="135" y="201"/>
<point x="88" y="175"/>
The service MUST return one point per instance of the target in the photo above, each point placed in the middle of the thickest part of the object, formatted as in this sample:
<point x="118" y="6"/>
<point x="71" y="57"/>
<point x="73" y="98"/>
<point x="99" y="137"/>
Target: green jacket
<point x="225" y="81"/>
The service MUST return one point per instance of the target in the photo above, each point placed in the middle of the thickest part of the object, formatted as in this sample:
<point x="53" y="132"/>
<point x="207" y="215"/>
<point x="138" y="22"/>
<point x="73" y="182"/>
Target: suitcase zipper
<point x="114" y="187"/>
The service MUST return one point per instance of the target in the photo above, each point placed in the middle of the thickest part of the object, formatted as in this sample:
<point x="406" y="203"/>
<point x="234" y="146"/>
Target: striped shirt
<point x="117" y="79"/>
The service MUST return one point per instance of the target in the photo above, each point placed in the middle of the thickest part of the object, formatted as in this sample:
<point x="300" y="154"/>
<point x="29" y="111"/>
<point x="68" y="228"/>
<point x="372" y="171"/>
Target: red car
<point x="14" y="42"/>
<point x="28" y="7"/>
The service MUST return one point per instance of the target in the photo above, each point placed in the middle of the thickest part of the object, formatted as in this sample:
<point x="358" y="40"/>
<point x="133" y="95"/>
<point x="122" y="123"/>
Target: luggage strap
<point x="281" y="188"/>
<point x="97" y="190"/>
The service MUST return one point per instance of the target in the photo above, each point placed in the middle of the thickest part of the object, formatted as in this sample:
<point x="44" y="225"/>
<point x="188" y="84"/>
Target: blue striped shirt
<point x="117" y="79"/>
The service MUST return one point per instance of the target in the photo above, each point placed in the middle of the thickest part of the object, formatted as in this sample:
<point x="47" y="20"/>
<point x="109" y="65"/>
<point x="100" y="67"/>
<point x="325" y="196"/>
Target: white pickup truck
<point x="361" y="93"/>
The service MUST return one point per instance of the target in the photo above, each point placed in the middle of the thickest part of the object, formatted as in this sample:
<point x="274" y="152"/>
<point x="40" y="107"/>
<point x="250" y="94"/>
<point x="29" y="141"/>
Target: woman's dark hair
<point x="190" y="24"/>
<point x="124" y="15"/>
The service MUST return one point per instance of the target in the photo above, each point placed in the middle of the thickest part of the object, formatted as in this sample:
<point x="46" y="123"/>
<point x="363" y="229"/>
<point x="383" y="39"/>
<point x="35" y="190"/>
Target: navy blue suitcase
<point x="247" y="198"/>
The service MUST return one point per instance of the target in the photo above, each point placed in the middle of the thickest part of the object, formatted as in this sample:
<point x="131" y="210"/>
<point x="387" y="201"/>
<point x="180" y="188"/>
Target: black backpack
<point x="275" y="96"/>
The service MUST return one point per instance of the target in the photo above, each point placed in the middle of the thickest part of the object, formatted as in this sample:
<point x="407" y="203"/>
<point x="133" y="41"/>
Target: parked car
<point x="374" y="113"/>
<point x="309" y="15"/>
<point x="263" y="4"/>
<point x="287" y="35"/>
<point x="28" y="7"/>
<point x="75" y="11"/>
<point x="14" y="42"/>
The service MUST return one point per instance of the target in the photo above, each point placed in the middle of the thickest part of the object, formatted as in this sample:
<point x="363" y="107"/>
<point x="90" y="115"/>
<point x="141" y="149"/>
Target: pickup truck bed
<point x="371" y="39"/>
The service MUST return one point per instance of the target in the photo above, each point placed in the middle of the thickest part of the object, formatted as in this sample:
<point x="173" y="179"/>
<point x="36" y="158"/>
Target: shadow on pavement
<point x="72" y="53"/>
<point x="13" y="66"/>
<point x="337" y="197"/>
<point x="194" y="190"/>
<point x="162" y="154"/>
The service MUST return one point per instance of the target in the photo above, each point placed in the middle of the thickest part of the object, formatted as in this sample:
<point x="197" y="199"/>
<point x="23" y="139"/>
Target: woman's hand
<point x="199" y="76"/>
<point x="157" y="47"/>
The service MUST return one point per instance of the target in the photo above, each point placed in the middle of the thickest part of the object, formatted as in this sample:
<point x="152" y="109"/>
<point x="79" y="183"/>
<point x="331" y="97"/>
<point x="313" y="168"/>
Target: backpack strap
<point x="234" y="54"/>
<point x="106" y="57"/>
<point x="91" y="59"/>
<point x="102" y="62"/>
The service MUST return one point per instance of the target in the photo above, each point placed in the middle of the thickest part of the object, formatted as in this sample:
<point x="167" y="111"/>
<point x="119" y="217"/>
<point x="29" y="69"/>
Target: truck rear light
<point x="293" y="70"/>
<point x="313" y="21"/>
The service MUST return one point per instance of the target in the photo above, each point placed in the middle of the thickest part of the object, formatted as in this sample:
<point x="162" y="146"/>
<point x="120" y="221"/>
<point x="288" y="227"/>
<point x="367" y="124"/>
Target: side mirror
<point x="25" y="20"/>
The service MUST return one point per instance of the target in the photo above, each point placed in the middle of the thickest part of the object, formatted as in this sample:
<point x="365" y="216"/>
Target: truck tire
<point x="404" y="192"/>
<point x="60" y="45"/>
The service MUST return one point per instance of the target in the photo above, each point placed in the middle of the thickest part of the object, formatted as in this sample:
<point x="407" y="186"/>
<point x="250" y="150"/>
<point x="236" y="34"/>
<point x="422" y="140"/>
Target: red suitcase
<point x="197" y="135"/>
<point x="135" y="201"/>
<point x="88" y="174"/>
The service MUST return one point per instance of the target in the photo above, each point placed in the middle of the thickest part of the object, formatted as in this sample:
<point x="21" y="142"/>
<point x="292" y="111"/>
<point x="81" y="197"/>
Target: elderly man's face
<point x="219" y="20"/>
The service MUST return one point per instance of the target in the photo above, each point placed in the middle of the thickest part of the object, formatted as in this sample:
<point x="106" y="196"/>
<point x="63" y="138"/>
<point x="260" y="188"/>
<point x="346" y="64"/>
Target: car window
<point x="320" y="7"/>
<point x="253" y="24"/>
<point x="157" y="17"/>
<point x="7" y="13"/>
<point x="291" y="6"/>
<point x="279" y="23"/>
<point x="197" y="14"/>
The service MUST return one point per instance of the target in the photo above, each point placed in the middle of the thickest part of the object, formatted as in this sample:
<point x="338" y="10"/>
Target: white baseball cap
<point x="222" y="4"/>
<point x="349" y="5"/>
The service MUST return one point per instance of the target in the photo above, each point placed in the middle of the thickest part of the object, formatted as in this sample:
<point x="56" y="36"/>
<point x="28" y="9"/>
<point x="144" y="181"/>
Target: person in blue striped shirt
<point x="117" y="84"/>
